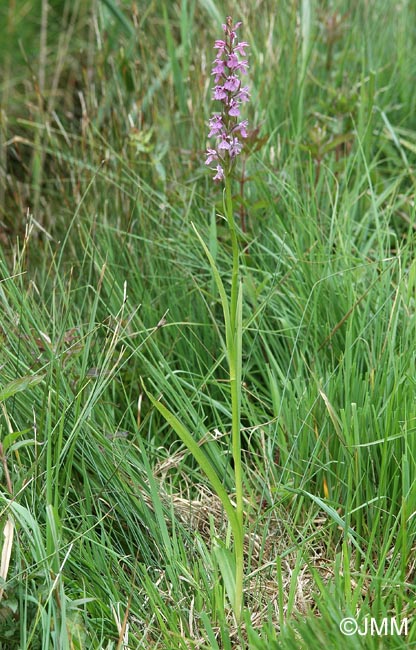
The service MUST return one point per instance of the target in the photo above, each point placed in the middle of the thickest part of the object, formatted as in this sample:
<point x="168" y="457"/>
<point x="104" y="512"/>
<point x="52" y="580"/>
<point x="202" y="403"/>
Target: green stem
<point x="234" y="348"/>
<point x="234" y="244"/>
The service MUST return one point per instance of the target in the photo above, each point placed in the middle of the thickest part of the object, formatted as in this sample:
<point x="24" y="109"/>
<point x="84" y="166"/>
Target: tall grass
<point x="104" y="285"/>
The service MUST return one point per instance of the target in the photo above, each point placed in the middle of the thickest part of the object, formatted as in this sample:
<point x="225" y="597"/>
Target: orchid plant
<point x="229" y="133"/>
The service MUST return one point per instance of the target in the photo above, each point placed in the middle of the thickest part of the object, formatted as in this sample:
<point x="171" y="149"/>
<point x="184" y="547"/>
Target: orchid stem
<point x="235" y="251"/>
<point x="234" y="349"/>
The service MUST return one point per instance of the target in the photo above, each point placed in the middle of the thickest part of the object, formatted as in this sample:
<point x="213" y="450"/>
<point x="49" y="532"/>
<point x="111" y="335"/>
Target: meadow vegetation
<point x="110" y="533"/>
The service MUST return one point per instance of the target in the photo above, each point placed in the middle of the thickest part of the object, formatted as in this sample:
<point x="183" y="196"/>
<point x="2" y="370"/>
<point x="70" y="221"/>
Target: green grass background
<point x="104" y="286"/>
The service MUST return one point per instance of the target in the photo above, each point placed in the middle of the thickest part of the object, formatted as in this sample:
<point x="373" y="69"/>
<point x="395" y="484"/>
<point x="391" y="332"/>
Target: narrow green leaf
<point x="221" y="289"/>
<point x="118" y="15"/>
<point x="212" y="9"/>
<point x="210" y="632"/>
<point x="176" y="69"/>
<point x="18" y="385"/>
<point x="9" y="440"/>
<point x="226" y="563"/>
<point x="331" y="512"/>
<point x="213" y="243"/>
<point x="201" y="459"/>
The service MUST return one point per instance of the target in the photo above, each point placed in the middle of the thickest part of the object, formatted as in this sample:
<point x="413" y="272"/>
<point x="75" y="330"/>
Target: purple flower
<point x="211" y="155"/>
<point x="232" y="84"/>
<point x="242" y="128"/>
<point x="224" y="141"/>
<point x="235" y="147"/>
<point x="221" y="45"/>
<point x="216" y="125"/>
<point x="218" y="70"/>
<point x="233" y="107"/>
<point x="232" y="61"/>
<point x="243" y="95"/>
<point x="243" y="66"/>
<point x="220" y="92"/>
<point x="220" y="174"/>
<point x="241" y="47"/>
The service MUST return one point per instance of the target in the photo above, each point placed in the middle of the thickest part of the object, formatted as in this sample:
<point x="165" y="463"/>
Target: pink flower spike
<point x="225" y="126"/>
<point x="220" y="174"/>
<point x="211" y="155"/>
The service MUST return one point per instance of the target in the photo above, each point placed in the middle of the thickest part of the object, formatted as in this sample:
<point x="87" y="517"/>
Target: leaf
<point x="211" y="8"/>
<point x="202" y="461"/>
<point x="333" y="514"/>
<point x="332" y="414"/>
<point x="18" y="385"/>
<point x="124" y="22"/>
<point x="226" y="563"/>
<point x="175" y="67"/>
<point x="221" y="290"/>
<point x="11" y="437"/>
<point x="6" y="551"/>
<point x="336" y="141"/>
